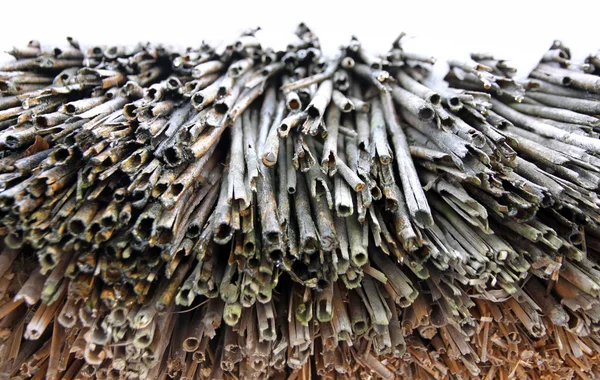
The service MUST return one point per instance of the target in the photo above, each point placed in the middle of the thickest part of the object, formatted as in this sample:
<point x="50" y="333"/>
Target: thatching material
<point x="237" y="212"/>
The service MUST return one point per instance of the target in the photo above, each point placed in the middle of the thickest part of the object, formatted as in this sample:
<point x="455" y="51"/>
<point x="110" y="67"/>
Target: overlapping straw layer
<point x="239" y="212"/>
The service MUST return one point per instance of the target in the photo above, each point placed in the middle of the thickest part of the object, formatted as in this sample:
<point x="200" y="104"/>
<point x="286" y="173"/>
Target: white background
<point x="517" y="30"/>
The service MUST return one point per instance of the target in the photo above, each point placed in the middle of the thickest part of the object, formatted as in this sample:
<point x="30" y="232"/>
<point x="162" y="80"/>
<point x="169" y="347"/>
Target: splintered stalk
<point x="309" y="241"/>
<point x="223" y="230"/>
<point x="378" y="134"/>
<point x="271" y="225"/>
<point x="316" y="108"/>
<point x="412" y="103"/>
<point x="557" y="114"/>
<point x="341" y="321"/>
<point x="291" y="121"/>
<point x="236" y="188"/>
<point x="546" y="130"/>
<point x="341" y="102"/>
<point x="283" y="199"/>
<point x="398" y="285"/>
<point x="358" y="252"/>
<point x="31" y="290"/>
<point x="270" y="149"/>
<point x="344" y="205"/>
<point x="324" y="220"/>
<point x="329" y="160"/>
<point x="418" y="89"/>
<point x="413" y="193"/>
<point x="167" y="297"/>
